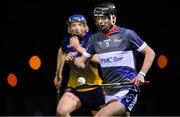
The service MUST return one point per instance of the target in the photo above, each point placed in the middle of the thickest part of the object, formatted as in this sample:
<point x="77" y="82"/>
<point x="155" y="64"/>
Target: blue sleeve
<point x="135" y="40"/>
<point x="90" y="49"/>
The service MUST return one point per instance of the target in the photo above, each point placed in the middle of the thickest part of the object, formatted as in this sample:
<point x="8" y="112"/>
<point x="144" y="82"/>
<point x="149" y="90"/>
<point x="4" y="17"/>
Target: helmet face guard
<point x="100" y="11"/>
<point x="106" y="10"/>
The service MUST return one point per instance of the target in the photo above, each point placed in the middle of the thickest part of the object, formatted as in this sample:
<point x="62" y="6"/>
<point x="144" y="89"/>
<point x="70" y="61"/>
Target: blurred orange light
<point x="162" y="61"/>
<point x="35" y="62"/>
<point x="12" y="80"/>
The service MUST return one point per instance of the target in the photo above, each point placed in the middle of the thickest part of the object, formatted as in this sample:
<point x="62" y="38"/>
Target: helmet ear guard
<point x="113" y="19"/>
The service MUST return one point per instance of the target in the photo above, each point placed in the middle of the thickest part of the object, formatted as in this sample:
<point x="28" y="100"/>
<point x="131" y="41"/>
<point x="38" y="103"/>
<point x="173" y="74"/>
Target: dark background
<point x="36" y="27"/>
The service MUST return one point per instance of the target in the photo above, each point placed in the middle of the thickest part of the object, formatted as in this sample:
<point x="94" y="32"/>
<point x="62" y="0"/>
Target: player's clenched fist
<point x="70" y="57"/>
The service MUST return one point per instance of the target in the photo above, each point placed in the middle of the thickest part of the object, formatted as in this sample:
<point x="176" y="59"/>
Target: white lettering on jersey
<point x="117" y="58"/>
<point x="107" y="42"/>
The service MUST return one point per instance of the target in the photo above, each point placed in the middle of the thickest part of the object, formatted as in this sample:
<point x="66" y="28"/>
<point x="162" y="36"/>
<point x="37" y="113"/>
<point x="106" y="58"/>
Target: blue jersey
<point x="66" y="47"/>
<point x="116" y="54"/>
<point x="90" y="73"/>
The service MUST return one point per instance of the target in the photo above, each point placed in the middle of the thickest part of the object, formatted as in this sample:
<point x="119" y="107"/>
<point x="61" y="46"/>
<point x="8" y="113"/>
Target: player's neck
<point x="113" y="29"/>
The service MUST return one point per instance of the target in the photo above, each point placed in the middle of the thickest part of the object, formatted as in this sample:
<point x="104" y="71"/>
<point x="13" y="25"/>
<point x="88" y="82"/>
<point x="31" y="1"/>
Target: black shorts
<point x="92" y="100"/>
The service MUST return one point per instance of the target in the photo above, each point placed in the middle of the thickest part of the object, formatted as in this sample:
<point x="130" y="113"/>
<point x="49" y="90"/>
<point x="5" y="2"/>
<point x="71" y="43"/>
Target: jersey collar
<point x="111" y="31"/>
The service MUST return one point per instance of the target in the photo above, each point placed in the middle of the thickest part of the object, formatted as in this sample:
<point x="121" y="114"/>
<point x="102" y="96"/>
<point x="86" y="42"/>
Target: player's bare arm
<point x="74" y="41"/>
<point x="148" y="60"/>
<point x="78" y="62"/>
<point x="60" y="65"/>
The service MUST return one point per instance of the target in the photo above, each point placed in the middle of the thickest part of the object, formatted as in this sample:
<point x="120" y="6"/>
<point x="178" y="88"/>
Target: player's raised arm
<point x="70" y="58"/>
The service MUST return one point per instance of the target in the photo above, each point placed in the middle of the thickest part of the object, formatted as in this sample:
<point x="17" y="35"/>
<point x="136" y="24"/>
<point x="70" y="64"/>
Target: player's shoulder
<point x="125" y="30"/>
<point x="88" y="34"/>
<point x="66" y="39"/>
<point x="128" y="31"/>
<point x="95" y="36"/>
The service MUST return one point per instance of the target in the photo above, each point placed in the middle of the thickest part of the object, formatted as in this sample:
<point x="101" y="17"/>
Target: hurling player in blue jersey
<point x="76" y="43"/>
<point x="115" y="47"/>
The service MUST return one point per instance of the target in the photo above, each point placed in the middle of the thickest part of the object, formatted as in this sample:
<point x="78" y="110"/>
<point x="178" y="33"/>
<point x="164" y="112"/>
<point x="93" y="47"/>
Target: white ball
<point x="81" y="80"/>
